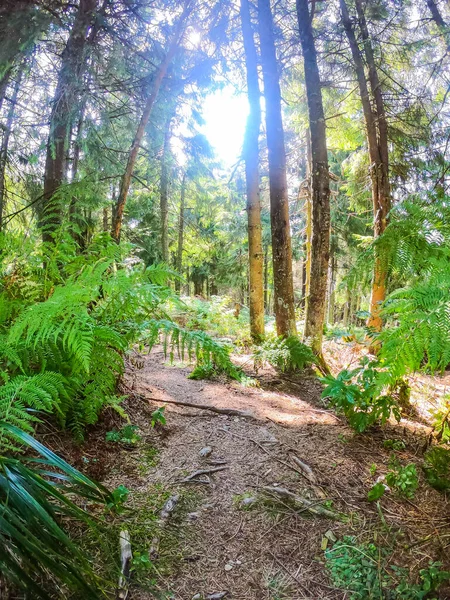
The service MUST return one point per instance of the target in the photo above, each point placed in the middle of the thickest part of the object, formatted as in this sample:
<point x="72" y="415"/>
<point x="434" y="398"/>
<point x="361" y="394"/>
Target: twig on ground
<point x="164" y="516"/>
<point x="311" y="507"/>
<point x="307" y="471"/>
<point x="221" y="411"/>
<point x="189" y="478"/>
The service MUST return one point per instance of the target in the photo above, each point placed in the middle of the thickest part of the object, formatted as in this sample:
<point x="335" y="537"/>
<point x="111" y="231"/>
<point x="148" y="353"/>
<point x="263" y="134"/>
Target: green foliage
<point x="437" y="468"/>
<point x="118" y="498"/>
<point x="285" y="354"/>
<point x="22" y="396"/>
<point x="441" y="420"/>
<point x="362" y="395"/>
<point x="141" y="563"/>
<point x="397" y="445"/>
<point x="126" y="435"/>
<point x="158" y="417"/>
<point x="366" y="572"/>
<point x="190" y="344"/>
<point x="376" y="492"/>
<point x="354" y="567"/>
<point x="36" y="497"/>
<point x="404" y="480"/>
<point x="203" y="372"/>
<point x="215" y="316"/>
<point x="64" y="331"/>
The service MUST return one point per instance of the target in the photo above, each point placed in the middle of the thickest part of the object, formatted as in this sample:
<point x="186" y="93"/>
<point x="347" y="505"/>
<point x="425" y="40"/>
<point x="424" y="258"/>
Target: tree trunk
<point x="279" y="201"/>
<point x="134" y="150"/>
<point x="251" y="156"/>
<point x="377" y="138"/>
<point x="308" y="206"/>
<point x="164" y="194"/>
<point x="331" y="289"/>
<point x="320" y="185"/>
<point x="266" y="280"/>
<point x="179" y="262"/>
<point x="4" y="82"/>
<point x="347" y="305"/>
<point x="5" y="144"/>
<point x="439" y="21"/>
<point x="105" y="219"/>
<point x="64" y="110"/>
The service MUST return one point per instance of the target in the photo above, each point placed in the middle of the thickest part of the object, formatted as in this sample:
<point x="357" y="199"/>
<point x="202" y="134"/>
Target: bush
<point x="366" y="573"/>
<point x="285" y="354"/>
<point x="437" y="468"/>
<point x="362" y="395"/>
<point x="62" y="342"/>
<point x="403" y="480"/>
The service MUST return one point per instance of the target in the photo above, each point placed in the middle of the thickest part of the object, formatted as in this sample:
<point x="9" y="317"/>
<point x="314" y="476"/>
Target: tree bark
<point x="251" y="156"/>
<point x="105" y="219"/>
<point x="5" y="143"/>
<point x="134" y="150"/>
<point x="439" y="21"/>
<point x="164" y="194"/>
<point x="279" y="201"/>
<point x="377" y="138"/>
<point x="179" y="261"/>
<point x="64" y="111"/>
<point x="308" y="205"/>
<point x="320" y="185"/>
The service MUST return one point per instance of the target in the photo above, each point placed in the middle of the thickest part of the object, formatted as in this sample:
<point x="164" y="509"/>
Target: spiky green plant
<point x="37" y="498"/>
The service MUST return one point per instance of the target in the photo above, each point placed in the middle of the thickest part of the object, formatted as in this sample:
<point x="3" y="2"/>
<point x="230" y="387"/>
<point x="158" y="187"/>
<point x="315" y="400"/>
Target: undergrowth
<point x="66" y="321"/>
<point x="367" y="573"/>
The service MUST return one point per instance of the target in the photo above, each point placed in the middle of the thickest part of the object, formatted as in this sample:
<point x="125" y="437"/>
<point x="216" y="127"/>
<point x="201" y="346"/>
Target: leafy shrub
<point x="354" y="567"/>
<point x="366" y="572"/>
<point x="285" y="354"/>
<point x="158" y="417"/>
<point x="404" y="480"/>
<point x="36" y="497"/>
<point x="190" y="344"/>
<point x="217" y="317"/>
<point x="376" y="492"/>
<point x="206" y="371"/>
<point x="360" y="394"/>
<point x="441" y="421"/>
<point x="62" y="344"/>
<point x="396" y="445"/>
<point x="437" y="468"/>
<point x="126" y="435"/>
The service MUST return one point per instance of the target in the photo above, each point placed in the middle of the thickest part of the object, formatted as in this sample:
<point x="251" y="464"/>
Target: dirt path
<point x="261" y="551"/>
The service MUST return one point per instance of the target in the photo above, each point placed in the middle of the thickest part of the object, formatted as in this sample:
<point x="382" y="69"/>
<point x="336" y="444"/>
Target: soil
<point x="266" y="549"/>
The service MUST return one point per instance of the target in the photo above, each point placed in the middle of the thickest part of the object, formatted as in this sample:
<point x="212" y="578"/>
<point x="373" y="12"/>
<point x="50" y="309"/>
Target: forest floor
<point x="216" y="541"/>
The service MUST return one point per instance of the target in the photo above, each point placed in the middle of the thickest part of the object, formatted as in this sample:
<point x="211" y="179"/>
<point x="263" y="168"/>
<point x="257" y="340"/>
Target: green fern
<point x="206" y="350"/>
<point x="419" y="336"/>
<point x="285" y="354"/>
<point x="24" y="397"/>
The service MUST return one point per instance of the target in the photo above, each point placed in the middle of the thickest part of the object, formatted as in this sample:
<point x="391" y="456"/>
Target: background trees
<point x="97" y="96"/>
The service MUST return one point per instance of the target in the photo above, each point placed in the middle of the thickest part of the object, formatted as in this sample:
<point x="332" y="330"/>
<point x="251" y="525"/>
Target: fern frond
<point x="191" y="343"/>
<point x="23" y="396"/>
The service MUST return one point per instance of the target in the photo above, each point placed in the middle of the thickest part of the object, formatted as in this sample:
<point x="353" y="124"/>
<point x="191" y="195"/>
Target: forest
<point x="225" y="299"/>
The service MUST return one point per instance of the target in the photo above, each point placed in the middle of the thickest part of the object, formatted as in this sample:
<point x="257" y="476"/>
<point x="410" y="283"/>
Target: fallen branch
<point x="189" y="478"/>
<point x="221" y="411"/>
<point x="126" y="557"/>
<point x="164" y="515"/>
<point x="311" y="507"/>
<point x="306" y="469"/>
